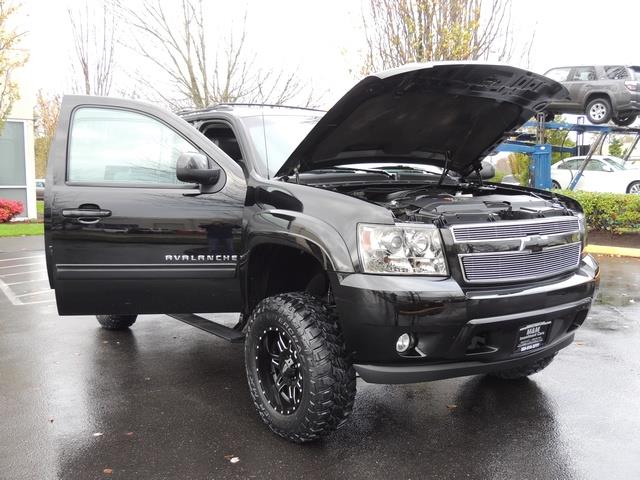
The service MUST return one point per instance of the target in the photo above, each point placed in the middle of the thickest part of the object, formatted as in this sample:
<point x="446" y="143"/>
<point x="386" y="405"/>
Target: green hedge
<point x="609" y="212"/>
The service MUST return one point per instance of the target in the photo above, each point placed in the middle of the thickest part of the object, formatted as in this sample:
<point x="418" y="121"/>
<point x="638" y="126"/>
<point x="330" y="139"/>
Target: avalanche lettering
<point x="201" y="258"/>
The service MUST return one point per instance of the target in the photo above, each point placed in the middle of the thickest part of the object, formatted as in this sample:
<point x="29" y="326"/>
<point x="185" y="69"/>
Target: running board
<point x="228" y="334"/>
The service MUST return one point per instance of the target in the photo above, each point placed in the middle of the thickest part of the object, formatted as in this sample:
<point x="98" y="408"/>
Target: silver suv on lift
<point x="601" y="92"/>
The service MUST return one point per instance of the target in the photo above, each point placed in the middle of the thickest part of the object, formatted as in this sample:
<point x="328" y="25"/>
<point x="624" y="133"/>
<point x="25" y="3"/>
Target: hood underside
<point x="425" y="113"/>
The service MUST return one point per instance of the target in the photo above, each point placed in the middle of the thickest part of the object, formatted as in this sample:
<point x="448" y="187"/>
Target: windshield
<point x="275" y="137"/>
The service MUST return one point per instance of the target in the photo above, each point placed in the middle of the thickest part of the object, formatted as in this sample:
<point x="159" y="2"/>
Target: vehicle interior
<point x="222" y="135"/>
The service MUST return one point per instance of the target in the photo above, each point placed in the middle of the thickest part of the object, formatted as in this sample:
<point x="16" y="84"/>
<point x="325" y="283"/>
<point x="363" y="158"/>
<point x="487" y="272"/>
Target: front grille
<point x="521" y="265"/>
<point x="515" y="229"/>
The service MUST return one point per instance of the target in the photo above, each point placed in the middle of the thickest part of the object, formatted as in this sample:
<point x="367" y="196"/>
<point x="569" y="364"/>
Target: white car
<point x="604" y="173"/>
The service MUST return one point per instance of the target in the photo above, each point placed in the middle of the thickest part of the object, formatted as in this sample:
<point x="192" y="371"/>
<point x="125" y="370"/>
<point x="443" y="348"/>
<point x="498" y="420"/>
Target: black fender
<point x="301" y="231"/>
<point x="297" y="231"/>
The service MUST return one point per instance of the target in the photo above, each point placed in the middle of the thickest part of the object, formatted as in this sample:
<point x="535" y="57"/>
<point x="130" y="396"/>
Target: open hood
<point x="424" y="113"/>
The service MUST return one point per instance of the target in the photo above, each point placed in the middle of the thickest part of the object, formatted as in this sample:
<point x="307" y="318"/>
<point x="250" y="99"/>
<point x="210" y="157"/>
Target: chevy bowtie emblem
<point x="535" y="243"/>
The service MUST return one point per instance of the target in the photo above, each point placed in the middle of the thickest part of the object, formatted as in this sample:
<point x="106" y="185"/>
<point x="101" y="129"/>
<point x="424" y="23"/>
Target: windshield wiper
<point x="368" y="170"/>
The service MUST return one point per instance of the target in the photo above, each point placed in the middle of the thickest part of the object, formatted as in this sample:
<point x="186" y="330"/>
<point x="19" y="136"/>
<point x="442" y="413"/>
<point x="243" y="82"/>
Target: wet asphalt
<point x="165" y="400"/>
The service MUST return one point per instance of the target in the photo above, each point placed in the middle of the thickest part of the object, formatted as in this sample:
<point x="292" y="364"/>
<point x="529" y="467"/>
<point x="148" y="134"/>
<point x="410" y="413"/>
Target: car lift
<point x="541" y="152"/>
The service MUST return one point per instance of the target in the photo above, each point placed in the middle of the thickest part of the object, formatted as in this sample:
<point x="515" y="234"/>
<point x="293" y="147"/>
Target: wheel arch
<point x="631" y="183"/>
<point x="275" y="266"/>
<point x="599" y="94"/>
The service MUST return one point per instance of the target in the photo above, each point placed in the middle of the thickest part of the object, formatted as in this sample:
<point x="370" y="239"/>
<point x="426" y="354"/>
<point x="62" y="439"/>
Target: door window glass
<point x="594" y="165"/>
<point x="584" y="74"/>
<point x="616" y="72"/>
<point x="119" y="146"/>
<point x="559" y="74"/>
<point x="569" y="165"/>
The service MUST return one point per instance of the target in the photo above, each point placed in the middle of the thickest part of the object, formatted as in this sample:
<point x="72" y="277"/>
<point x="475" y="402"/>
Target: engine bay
<point x="446" y="205"/>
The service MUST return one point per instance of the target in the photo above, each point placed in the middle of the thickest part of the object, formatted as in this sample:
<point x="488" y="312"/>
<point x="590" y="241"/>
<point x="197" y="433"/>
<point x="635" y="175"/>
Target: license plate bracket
<point x="532" y="336"/>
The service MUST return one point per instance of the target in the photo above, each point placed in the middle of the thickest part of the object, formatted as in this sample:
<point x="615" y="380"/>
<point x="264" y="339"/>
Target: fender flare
<point x="304" y="232"/>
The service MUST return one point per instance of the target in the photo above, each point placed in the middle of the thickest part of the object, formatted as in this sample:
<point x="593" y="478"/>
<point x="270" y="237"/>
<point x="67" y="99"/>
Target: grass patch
<point x="19" y="229"/>
<point x="40" y="207"/>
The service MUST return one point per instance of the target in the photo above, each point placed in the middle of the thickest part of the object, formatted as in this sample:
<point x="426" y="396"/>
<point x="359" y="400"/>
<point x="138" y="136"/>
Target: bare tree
<point x="404" y="31"/>
<point x="46" y="118"/>
<point x="11" y="57"/>
<point x="198" y="72"/>
<point x="94" y="41"/>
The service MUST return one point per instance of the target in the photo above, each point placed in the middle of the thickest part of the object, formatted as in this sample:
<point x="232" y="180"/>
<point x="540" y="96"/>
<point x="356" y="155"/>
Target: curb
<point x="607" y="250"/>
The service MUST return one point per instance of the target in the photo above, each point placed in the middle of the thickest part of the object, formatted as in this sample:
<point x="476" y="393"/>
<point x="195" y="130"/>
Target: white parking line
<point x="39" y="301"/>
<point x="19" y="299"/>
<point x="48" y="290"/>
<point x="28" y="281"/>
<point x="10" y="295"/>
<point x="20" y="258"/>
<point x="21" y="273"/>
<point x="21" y="265"/>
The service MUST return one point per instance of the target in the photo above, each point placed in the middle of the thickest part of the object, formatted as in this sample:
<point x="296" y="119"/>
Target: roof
<point x="250" y="109"/>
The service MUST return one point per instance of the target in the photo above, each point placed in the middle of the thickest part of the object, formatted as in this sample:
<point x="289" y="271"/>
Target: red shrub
<point x="9" y="209"/>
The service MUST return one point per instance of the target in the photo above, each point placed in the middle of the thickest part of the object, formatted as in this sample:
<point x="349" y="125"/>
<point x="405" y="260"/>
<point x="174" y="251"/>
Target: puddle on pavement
<point x="619" y="281"/>
<point x="619" y="295"/>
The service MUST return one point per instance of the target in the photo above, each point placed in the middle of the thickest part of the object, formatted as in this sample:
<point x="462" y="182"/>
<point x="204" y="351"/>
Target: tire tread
<point x="333" y="377"/>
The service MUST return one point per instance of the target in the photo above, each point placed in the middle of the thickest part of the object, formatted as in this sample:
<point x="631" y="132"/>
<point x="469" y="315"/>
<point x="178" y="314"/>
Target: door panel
<point x="123" y="235"/>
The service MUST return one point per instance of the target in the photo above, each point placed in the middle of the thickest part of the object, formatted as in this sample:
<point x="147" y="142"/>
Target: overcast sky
<point x="323" y="40"/>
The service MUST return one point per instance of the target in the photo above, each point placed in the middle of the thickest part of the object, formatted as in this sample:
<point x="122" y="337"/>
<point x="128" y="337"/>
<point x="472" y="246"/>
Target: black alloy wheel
<point x="279" y="372"/>
<point x="300" y="376"/>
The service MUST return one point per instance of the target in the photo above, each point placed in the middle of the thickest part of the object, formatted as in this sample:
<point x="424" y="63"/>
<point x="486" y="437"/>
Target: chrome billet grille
<point x="515" y="229"/>
<point x="521" y="265"/>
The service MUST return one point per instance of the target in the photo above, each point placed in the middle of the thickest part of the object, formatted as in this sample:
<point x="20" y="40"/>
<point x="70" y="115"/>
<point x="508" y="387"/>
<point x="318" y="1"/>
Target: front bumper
<point x="459" y="331"/>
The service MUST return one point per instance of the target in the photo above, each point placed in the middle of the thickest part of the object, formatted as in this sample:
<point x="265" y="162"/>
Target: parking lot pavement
<point x="165" y="400"/>
<point x="23" y="273"/>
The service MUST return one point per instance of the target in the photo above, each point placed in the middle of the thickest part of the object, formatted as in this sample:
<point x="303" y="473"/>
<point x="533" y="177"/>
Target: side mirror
<point x="488" y="171"/>
<point x="194" y="168"/>
<point x="607" y="168"/>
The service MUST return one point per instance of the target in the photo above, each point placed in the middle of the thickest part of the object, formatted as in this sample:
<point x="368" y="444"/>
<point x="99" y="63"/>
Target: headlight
<point x="407" y="249"/>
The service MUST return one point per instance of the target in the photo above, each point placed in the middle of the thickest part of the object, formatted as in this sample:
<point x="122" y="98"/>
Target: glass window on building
<point x="12" y="163"/>
<point x="12" y="168"/>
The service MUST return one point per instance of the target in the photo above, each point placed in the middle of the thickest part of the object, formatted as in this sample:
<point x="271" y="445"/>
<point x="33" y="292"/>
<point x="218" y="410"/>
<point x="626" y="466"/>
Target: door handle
<point x="86" y="215"/>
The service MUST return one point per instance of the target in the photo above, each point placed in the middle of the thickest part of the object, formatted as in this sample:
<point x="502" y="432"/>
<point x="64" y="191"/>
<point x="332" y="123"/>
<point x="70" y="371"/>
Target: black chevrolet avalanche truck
<point x="363" y="241"/>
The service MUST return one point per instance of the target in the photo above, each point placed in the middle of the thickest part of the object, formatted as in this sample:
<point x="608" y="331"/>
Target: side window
<point x="616" y="72"/>
<point x="584" y="74"/>
<point x="222" y="135"/>
<point x="570" y="164"/>
<point x="119" y="146"/>
<point x="559" y="74"/>
<point x="595" y="166"/>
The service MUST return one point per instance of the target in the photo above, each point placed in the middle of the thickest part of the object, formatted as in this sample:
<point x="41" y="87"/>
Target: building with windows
<point x="17" y="161"/>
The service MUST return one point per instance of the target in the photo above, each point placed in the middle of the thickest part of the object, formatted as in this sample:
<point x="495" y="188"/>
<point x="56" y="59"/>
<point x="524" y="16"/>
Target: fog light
<point x="404" y="343"/>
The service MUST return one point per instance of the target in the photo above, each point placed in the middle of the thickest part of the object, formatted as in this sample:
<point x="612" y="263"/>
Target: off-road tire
<point x="605" y="104"/>
<point x="519" y="373"/>
<point x="328" y="377"/>
<point x="116" y="322"/>
<point x="625" y="121"/>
